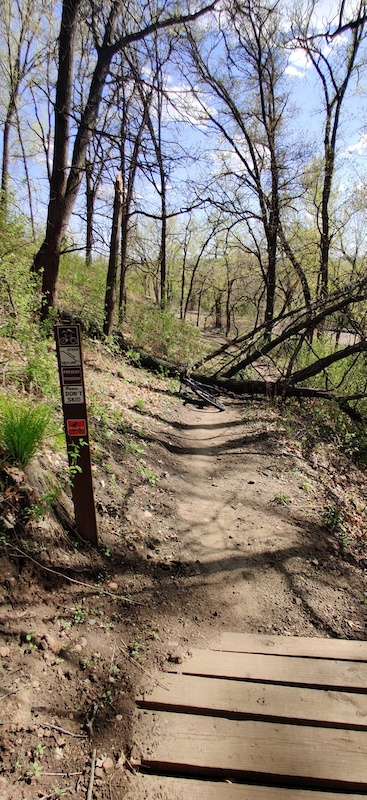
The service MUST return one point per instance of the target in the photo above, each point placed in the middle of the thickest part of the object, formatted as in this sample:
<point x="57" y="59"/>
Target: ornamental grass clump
<point x="23" y="428"/>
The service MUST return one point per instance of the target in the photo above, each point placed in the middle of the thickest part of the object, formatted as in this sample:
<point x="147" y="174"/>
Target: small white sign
<point x="70" y="356"/>
<point x="73" y="395"/>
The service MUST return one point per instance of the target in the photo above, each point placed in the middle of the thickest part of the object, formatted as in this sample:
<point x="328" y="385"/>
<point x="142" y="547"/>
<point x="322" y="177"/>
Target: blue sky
<point x="307" y="123"/>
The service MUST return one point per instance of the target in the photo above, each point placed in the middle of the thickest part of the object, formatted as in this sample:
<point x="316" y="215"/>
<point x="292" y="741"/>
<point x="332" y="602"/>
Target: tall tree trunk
<point x="128" y="191"/>
<point x="124" y="266"/>
<point x="47" y="259"/>
<point x="5" y="160"/>
<point x="110" y="297"/>
<point x="271" y="230"/>
<point x="218" y="312"/>
<point x="230" y="283"/>
<point x="27" y="175"/>
<point x="89" y="199"/>
<point x="163" y="247"/>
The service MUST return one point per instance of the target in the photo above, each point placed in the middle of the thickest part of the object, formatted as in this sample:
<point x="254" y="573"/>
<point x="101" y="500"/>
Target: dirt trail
<point x="252" y="550"/>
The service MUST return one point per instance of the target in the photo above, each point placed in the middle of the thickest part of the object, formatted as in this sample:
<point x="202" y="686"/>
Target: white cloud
<point x="186" y="107"/>
<point x="298" y="63"/>
<point x="359" y="148"/>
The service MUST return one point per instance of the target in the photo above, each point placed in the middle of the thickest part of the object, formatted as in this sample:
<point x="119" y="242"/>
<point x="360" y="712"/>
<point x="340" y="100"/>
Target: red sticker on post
<point x="76" y="427"/>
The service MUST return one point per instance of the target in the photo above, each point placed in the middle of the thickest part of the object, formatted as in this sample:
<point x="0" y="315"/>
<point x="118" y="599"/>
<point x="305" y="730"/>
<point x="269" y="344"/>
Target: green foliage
<point x="139" y="405"/>
<point x="43" y="505"/>
<point x="334" y="521"/>
<point x="29" y="640"/>
<point x="332" y="518"/>
<point x="29" y="358"/>
<point x="134" y="357"/>
<point x="347" y="374"/>
<point x="281" y="499"/>
<point x="23" y="428"/>
<point x="82" y="289"/>
<point x="148" y="475"/>
<point x="160" y="332"/>
<point x="40" y="370"/>
<point x="73" y="455"/>
<point x="80" y="615"/>
<point x="36" y="770"/>
<point x="17" y="288"/>
<point x="135" y="447"/>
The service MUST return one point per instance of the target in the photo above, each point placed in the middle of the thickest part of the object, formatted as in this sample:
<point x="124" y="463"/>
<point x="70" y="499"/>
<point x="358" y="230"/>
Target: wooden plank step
<point x="310" y="672"/>
<point x="166" y="788"/>
<point x="293" y="646"/>
<point x="188" y="744"/>
<point x="236" y="699"/>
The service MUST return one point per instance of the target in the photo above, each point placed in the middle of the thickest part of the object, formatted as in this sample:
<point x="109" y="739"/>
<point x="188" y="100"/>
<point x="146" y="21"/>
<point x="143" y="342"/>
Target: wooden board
<point x="166" y="788"/>
<point x="293" y="646"/>
<point x="311" y="672"/>
<point x="266" y="718"/>
<point x="256" y="751"/>
<point x="236" y="699"/>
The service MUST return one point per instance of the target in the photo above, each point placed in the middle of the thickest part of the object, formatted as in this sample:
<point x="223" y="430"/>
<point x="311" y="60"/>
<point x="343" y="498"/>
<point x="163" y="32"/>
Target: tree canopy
<point x="212" y="154"/>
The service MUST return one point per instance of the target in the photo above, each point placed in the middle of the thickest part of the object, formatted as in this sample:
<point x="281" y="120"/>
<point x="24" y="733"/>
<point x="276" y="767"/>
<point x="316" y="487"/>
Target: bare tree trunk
<point x="218" y="312"/>
<point x="163" y="247"/>
<point x="5" y="158"/>
<point x="123" y="259"/>
<point x="27" y="176"/>
<point x="47" y="259"/>
<point x="89" y="198"/>
<point x="110" y="297"/>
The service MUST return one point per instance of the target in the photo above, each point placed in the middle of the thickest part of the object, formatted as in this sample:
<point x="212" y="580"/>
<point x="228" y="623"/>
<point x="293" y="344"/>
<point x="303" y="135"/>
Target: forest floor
<point x="246" y="520"/>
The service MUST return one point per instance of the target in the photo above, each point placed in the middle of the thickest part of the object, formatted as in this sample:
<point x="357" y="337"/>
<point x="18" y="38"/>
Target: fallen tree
<point x="277" y="361"/>
<point x="299" y="325"/>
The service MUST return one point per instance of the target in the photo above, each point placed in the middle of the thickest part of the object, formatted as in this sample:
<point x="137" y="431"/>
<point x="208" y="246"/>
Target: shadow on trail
<point x="179" y="448"/>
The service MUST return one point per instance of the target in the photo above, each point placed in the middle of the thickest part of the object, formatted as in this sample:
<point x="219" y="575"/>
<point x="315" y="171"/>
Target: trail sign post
<point x="70" y="360"/>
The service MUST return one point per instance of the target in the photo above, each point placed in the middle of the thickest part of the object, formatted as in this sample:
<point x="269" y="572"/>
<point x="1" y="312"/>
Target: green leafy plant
<point x="334" y="520"/>
<point x="29" y="638"/>
<point x="36" y="770"/>
<point x="40" y="371"/>
<point x="80" y="615"/>
<point x="148" y="475"/>
<point x="132" y="446"/>
<point x="139" y="404"/>
<point x="138" y="650"/>
<point x="281" y="499"/>
<point x="83" y="290"/>
<point x="43" y="505"/>
<point x="73" y="454"/>
<point x="134" y="357"/>
<point x="23" y="428"/>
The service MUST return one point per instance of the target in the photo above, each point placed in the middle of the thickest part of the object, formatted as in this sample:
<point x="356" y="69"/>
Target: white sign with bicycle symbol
<point x="68" y="335"/>
<point x="69" y="346"/>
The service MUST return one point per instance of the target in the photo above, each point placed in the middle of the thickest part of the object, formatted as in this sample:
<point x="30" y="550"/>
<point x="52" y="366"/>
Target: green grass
<point x="23" y="428"/>
<point x="162" y="334"/>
